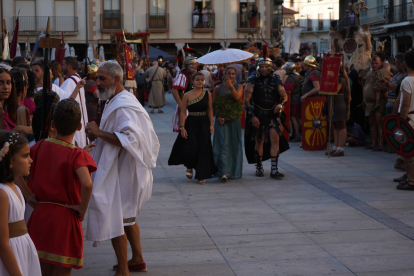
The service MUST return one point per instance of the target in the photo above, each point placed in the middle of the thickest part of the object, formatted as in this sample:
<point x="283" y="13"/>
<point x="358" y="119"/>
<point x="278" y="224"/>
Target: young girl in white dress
<point x="18" y="255"/>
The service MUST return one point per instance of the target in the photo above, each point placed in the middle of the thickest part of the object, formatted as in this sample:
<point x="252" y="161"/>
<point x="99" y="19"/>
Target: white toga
<point x="68" y="86"/>
<point x="123" y="181"/>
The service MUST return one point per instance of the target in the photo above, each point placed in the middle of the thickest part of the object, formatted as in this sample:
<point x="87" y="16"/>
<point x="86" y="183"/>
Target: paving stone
<point x="338" y="225"/>
<point x="268" y="253"/>
<point x="378" y="263"/>
<point x="177" y="244"/>
<point x="356" y="236"/>
<point x="336" y="216"/>
<point x="250" y="229"/>
<point x="383" y="248"/>
<point x="305" y="267"/>
<point x="261" y="240"/>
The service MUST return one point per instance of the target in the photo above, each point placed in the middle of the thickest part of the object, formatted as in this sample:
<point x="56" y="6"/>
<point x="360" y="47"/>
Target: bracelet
<point x="182" y="126"/>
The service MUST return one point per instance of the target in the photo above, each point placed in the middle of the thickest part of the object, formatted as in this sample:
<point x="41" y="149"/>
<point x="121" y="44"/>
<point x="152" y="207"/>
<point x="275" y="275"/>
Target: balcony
<point x="31" y="25"/>
<point x="400" y="13"/>
<point x="320" y="28"/>
<point x="157" y="23"/>
<point x="244" y="24"/>
<point x="205" y="24"/>
<point x="112" y="22"/>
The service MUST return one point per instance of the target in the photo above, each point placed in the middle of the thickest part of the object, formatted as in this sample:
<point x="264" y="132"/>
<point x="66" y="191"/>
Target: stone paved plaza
<point x="337" y="216"/>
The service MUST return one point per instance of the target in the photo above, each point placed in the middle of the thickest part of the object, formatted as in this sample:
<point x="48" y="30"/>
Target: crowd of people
<point x="88" y="145"/>
<point x="364" y="97"/>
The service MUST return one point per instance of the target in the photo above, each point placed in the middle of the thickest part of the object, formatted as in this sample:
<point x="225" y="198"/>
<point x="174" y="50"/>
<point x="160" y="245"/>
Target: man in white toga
<point x="126" y="151"/>
<point x="69" y="66"/>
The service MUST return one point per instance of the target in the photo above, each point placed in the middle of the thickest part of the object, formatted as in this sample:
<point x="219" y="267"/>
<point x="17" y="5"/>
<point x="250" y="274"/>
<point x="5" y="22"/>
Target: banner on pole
<point x="128" y="63"/>
<point x="330" y="74"/>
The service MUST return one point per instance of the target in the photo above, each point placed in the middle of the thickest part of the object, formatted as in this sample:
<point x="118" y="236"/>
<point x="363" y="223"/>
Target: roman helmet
<point x="290" y="68"/>
<point x="309" y="61"/>
<point x="264" y="60"/>
<point x="95" y="61"/>
<point x="191" y="63"/>
<point x="92" y="69"/>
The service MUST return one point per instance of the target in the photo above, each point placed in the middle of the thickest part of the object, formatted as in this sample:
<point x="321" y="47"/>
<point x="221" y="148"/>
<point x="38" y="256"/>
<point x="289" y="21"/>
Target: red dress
<point x="56" y="230"/>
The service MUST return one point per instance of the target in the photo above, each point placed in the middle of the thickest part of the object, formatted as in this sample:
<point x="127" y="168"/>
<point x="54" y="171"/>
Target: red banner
<point x="330" y="73"/>
<point x="128" y="63"/>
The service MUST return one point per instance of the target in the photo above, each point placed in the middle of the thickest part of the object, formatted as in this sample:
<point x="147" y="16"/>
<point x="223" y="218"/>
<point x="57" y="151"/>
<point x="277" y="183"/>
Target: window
<point x="201" y="4"/>
<point x="26" y="8"/>
<point x="320" y="21"/>
<point x="292" y="3"/>
<point x="324" y="47"/>
<point x="309" y="22"/>
<point x="111" y="8"/>
<point x="157" y="7"/>
<point x="380" y="6"/>
<point x="65" y="8"/>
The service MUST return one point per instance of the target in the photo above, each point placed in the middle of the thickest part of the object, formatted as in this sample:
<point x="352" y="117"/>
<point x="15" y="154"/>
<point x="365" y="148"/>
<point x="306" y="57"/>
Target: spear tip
<point x="48" y="26"/>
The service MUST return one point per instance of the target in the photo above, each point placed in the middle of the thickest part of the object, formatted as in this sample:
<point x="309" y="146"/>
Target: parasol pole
<point x="46" y="80"/>
<point x="225" y="25"/>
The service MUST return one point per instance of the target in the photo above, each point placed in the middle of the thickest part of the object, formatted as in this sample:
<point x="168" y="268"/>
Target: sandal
<point x="406" y="186"/>
<point x="152" y="111"/>
<point x="401" y="179"/>
<point x="160" y="111"/>
<point x="202" y="181"/>
<point x="189" y="173"/>
<point x="224" y="178"/>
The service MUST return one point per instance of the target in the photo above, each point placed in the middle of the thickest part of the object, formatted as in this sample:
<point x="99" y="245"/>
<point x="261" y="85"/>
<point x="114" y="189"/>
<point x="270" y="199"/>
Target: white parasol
<point x="90" y="53"/>
<point x="72" y="52"/>
<point x="101" y="53"/>
<point x="67" y="50"/>
<point x="225" y="57"/>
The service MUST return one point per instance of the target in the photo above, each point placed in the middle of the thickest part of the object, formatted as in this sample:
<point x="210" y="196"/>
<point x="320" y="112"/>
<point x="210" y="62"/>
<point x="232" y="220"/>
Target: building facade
<point x="391" y="22"/>
<point x="172" y="23"/>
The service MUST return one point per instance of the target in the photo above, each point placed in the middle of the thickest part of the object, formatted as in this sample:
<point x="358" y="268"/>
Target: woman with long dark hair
<point x="9" y="104"/>
<point x="193" y="145"/>
<point x="227" y="141"/>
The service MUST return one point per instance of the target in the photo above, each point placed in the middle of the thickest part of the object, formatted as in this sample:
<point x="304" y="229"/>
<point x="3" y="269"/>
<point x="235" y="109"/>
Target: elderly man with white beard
<point x="126" y="151"/>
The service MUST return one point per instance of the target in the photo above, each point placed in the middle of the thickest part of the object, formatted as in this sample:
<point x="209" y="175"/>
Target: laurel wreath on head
<point x="227" y="107"/>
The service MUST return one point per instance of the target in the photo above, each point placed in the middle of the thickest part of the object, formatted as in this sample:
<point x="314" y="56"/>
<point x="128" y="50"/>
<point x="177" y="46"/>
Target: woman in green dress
<point x="227" y="141"/>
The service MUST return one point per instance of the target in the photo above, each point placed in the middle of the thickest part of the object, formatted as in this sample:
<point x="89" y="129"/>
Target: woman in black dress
<point x="193" y="145"/>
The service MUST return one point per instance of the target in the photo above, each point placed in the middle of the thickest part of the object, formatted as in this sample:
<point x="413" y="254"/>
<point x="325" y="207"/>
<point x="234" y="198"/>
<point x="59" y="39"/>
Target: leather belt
<point x="17" y="229"/>
<point x="197" y="113"/>
<point x="264" y="109"/>
<point x="391" y="100"/>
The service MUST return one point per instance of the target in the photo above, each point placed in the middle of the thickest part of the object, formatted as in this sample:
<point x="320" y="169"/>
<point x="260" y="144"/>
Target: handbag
<point x="149" y="84"/>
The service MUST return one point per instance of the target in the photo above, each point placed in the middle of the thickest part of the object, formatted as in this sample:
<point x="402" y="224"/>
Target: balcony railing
<point x="244" y="23"/>
<point x="31" y="25"/>
<point x="400" y="13"/>
<point x="317" y="28"/>
<point x="204" y="23"/>
<point x="158" y="23"/>
<point x="278" y="21"/>
<point x="111" y="21"/>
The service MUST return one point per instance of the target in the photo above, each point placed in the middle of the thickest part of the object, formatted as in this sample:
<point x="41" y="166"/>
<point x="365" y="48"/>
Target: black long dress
<point x="196" y="151"/>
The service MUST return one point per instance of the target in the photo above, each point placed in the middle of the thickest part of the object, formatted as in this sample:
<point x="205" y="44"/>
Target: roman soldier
<point x="293" y="84"/>
<point x="264" y="100"/>
<point x="311" y="84"/>
<point x="182" y="84"/>
<point x="91" y="93"/>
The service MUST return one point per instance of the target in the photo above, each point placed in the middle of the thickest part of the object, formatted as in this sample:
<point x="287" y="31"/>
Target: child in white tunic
<point x="18" y="255"/>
